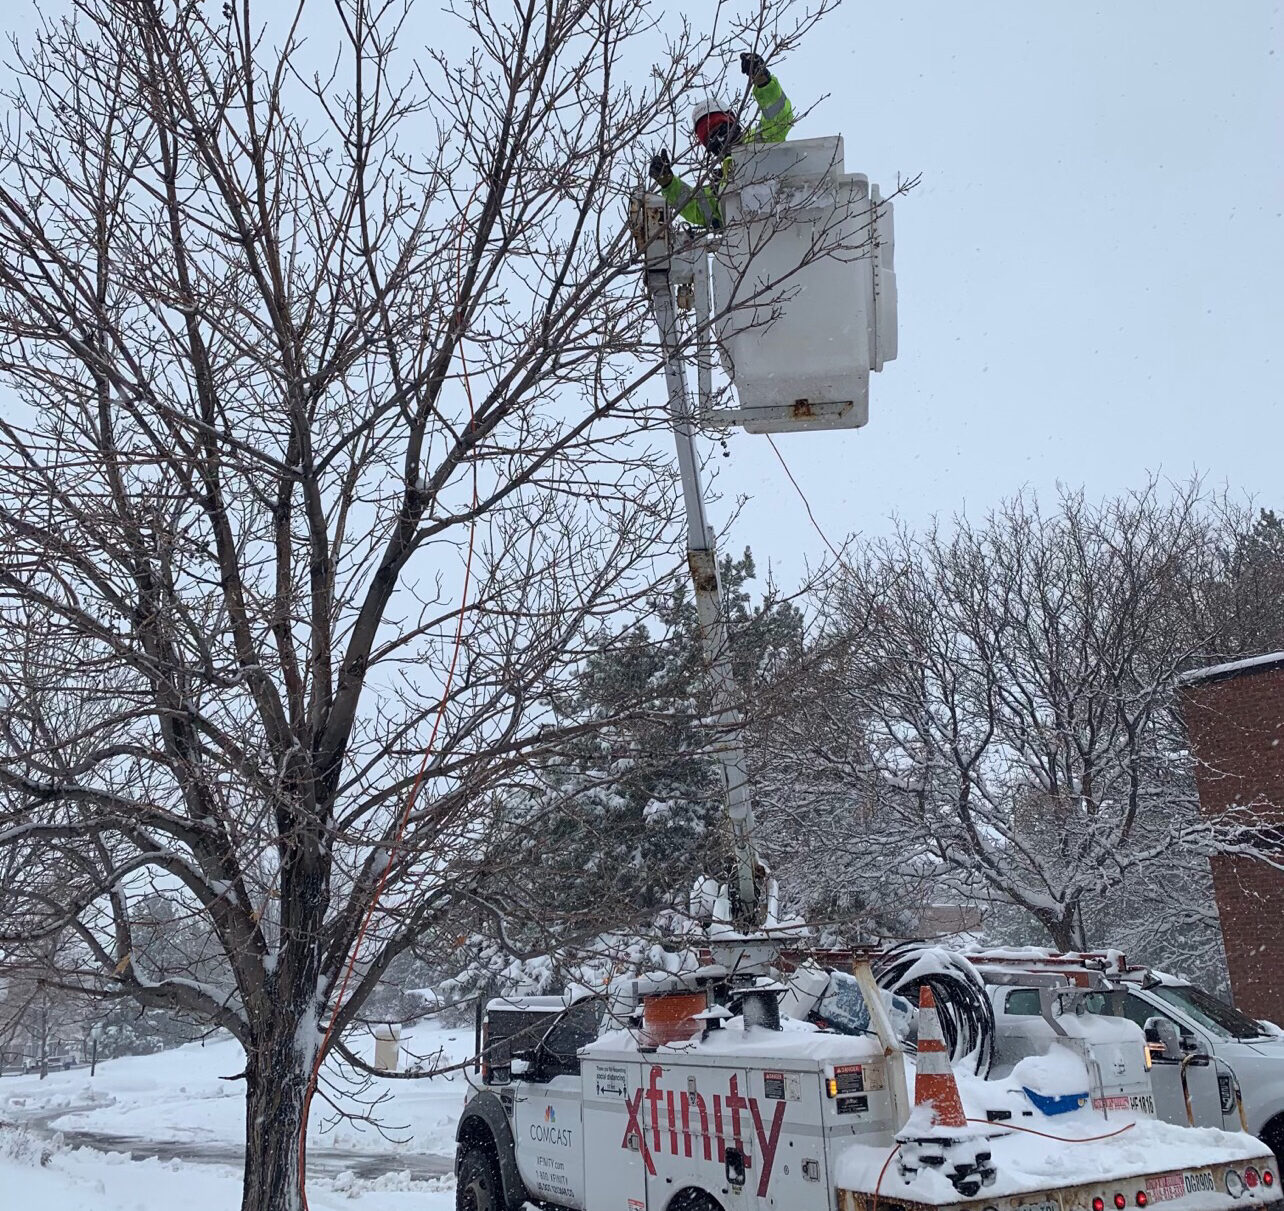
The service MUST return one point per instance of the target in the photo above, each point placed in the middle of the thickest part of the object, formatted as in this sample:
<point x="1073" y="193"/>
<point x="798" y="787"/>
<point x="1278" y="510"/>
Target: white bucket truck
<point x="708" y="1103"/>
<point x="691" y="1093"/>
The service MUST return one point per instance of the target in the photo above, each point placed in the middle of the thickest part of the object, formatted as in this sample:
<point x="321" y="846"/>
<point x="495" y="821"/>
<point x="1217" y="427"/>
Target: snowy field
<point x="81" y="1179"/>
<point x="109" y="1141"/>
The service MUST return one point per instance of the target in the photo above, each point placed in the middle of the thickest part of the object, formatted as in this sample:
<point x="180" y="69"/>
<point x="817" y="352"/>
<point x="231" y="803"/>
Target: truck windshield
<point x="1208" y="1011"/>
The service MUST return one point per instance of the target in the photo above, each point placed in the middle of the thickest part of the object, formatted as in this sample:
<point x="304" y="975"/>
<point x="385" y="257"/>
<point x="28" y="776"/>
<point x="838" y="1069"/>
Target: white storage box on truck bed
<point x="796" y="1119"/>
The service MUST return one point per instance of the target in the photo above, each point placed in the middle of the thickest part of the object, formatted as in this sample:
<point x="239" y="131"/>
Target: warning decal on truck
<point x="781" y="1086"/>
<point x="1138" y="1103"/>
<point x="611" y="1080"/>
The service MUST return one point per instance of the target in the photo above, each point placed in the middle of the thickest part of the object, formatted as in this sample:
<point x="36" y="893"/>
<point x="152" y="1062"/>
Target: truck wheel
<point x="479" y="1188"/>
<point x="694" y="1200"/>
<point x="1273" y="1137"/>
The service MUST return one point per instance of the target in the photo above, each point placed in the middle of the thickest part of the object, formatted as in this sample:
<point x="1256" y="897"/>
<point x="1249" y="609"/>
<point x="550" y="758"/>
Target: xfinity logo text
<point x="692" y="1124"/>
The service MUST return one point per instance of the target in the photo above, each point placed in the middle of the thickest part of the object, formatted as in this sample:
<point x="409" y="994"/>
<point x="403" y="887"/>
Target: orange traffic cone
<point x="934" y="1082"/>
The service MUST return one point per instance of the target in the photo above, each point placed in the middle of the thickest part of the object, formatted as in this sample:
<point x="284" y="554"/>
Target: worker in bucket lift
<point x="718" y="130"/>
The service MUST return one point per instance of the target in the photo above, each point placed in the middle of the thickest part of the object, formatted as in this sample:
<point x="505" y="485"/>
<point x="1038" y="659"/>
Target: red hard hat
<point x="708" y="114"/>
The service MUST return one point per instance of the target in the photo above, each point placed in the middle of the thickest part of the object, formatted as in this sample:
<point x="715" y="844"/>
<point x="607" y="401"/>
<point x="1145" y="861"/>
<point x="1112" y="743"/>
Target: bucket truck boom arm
<point x="702" y="558"/>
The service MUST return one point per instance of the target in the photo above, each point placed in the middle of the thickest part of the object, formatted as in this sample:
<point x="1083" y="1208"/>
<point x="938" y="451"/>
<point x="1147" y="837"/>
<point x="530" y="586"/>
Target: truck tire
<point x="479" y="1188"/>
<point x="1273" y="1137"/>
<point x="694" y="1200"/>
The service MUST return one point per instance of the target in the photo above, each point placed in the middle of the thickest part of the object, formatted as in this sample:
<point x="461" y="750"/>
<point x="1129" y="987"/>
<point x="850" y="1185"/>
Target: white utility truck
<point x="1211" y="1064"/>
<point x="695" y="1092"/>
<point x="572" y="1109"/>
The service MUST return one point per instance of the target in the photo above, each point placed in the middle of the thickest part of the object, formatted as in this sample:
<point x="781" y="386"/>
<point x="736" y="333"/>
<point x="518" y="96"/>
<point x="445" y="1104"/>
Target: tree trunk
<point x="276" y="1076"/>
<point x="1066" y="930"/>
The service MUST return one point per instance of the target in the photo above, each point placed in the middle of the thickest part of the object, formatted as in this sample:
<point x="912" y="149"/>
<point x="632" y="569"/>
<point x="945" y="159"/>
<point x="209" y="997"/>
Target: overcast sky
<point x="1090" y="274"/>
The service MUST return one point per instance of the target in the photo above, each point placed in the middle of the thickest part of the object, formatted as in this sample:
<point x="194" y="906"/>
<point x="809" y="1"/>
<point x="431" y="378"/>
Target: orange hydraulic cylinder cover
<point x="671" y="1018"/>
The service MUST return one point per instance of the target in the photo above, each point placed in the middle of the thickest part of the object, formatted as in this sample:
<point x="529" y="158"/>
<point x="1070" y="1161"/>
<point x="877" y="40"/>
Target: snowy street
<point x="72" y="1181"/>
<point x="147" y="1131"/>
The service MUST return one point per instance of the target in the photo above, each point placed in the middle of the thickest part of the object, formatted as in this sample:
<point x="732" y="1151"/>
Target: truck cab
<point x="1199" y="1047"/>
<point x="1205" y="1026"/>
<point x="527" y="1086"/>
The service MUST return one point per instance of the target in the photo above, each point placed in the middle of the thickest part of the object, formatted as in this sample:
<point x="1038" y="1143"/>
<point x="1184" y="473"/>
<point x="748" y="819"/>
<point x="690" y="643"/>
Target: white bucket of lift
<point x="805" y="274"/>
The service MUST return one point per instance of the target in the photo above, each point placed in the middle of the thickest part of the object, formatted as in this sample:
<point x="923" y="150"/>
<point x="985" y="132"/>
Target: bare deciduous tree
<point x="997" y="708"/>
<point x="327" y="451"/>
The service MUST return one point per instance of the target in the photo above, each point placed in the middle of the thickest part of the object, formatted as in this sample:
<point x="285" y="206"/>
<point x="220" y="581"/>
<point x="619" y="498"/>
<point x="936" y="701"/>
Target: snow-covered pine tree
<point x="616" y="827"/>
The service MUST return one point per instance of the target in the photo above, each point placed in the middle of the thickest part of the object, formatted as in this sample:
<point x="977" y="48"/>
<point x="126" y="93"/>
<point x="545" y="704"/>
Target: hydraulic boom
<point x="702" y="558"/>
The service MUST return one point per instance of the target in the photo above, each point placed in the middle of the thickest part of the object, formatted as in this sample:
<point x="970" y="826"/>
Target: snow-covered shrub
<point x="19" y="1145"/>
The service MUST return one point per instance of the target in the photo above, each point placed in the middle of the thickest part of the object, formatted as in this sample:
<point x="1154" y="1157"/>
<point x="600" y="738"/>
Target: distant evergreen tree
<point x="639" y="811"/>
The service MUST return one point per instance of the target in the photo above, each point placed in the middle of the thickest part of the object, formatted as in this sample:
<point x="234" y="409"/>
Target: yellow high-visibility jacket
<point x="699" y="207"/>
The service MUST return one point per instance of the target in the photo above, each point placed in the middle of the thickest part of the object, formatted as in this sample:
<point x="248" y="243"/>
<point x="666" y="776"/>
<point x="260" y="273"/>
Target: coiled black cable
<point x="962" y="1002"/>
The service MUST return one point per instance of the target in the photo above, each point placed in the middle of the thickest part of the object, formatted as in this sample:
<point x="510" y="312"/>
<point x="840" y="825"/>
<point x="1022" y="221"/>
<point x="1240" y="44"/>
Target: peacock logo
<point x="550" y="1115"/>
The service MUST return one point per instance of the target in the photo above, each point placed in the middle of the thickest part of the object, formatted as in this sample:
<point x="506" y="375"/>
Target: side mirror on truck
<point x="499" y="1074"/>
<point x="525" y="1063"/>
<point x="1162" y="1038"/>
<point x="1167" y="1043"/>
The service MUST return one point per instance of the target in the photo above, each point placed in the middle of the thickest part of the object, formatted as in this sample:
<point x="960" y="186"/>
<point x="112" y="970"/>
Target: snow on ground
<point x="179" y="1097"/>
<point x="72" y="1180"/>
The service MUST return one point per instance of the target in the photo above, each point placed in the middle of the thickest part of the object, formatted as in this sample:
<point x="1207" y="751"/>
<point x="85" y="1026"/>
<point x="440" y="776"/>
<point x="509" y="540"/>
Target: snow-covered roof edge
<point x="1217" y="672"/>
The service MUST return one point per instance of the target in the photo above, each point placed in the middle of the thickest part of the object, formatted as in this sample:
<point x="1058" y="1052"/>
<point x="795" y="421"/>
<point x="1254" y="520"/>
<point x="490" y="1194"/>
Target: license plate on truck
<point x="1137" y="1103"/>
<point x="1199" y="1181"/>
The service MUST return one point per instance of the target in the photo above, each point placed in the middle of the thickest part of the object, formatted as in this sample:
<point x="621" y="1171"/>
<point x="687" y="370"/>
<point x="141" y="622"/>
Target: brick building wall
<point x="1235" y="719"/>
